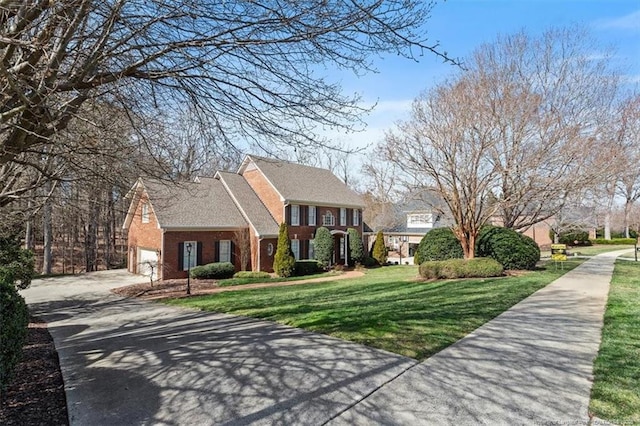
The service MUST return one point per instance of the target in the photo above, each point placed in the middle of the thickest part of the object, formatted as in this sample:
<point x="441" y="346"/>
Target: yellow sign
<point x="559" y="252"/>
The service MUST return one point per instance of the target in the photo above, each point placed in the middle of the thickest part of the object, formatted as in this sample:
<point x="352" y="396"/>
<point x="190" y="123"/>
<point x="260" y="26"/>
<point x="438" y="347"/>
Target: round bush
<point x="511" y="249"/>
<point x="14" y="319"/>
<point x="218" y="270"/>
<point x="307" y="267"/>
<point x="438" y="244"/>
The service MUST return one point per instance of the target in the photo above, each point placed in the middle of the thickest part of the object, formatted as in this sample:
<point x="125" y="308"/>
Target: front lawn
<point x="598" y="249"/>
<point x="615" y="395"/>
<point x="388" y="308"/>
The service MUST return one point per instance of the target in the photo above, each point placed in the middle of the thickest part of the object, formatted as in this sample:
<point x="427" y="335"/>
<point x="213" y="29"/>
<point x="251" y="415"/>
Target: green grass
<point x="615" y="395"/>
<point x="388" y="308"/>
<point x="244" y="281"/>
<point x="598" y="249"/>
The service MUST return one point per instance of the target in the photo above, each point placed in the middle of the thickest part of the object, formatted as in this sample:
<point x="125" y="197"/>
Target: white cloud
<point x="627" y="22"/>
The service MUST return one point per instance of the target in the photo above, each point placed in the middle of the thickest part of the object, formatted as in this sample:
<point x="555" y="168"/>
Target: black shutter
<point x="216" y="254"/>
<point x="180" y="256"/>
<point x="287" y="215"/>
<point x="232" y="254"/>
<point x="199" y="251"/>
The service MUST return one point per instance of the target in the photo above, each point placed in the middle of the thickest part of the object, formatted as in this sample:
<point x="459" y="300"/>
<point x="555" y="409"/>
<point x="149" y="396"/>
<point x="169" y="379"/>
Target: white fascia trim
<point x="200" y="228"/>
<point x="319" y="204"/>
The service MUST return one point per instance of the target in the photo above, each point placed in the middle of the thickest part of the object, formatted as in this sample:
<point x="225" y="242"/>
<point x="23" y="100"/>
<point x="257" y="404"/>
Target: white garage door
<point x="148" y="263"/>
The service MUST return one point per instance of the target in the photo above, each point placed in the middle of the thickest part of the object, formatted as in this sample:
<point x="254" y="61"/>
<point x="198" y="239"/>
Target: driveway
<point x="129" y="362"/>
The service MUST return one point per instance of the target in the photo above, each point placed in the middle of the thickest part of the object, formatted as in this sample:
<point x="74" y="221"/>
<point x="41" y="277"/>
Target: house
<point x="418" y="214"/>
<point x="235" y="217"/>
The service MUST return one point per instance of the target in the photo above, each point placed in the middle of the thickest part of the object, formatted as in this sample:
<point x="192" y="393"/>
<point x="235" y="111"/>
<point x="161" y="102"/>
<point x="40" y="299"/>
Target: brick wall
<point x="172" y="239"/>
<point x="142" y="235"/>
<point x="266" y="193"/>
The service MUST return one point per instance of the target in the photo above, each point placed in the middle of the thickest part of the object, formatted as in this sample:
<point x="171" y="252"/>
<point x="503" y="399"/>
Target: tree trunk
<point x="91" y="237"/>
<point x="47" y="235"/>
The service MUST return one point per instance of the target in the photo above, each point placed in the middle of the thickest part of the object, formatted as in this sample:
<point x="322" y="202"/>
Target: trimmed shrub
<point x="616" y="234"/>
<point x="461" y="268"/>
<point x="622" y="241"/>
<point x="14" y="320"/>
<point x="574" y="237"/>
<point x="369" y="262"/>
<point x="438" y="244"/>
<point x="511" y="249"/>
<point x="252" y="274"/>
<point x="218" y="270"/>
<point x="356" y="248"/>
<point x="16" y="263"/>
<point x="323" y="246"/>
<point x="379" y="252"/>
<point x="284" y="262"/>
<point x="307" y="267"/>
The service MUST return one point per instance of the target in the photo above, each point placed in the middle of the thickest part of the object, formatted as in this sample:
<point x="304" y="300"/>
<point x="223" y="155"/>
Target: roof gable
<point x="201" y="204"/>
<point x="297" y="183"/>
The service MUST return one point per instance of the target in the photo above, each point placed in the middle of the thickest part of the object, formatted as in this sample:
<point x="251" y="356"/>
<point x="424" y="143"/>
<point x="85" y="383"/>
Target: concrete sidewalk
<point x="532" y="365"/>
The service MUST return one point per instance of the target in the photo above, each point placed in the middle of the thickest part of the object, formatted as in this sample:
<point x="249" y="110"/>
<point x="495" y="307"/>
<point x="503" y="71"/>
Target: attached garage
<point x="148" y="263"/>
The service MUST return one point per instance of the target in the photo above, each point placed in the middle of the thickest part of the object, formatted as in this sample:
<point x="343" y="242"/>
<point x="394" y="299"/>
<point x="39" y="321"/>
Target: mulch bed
<point x="36" y="394"/>
<point x="166" y="288"/>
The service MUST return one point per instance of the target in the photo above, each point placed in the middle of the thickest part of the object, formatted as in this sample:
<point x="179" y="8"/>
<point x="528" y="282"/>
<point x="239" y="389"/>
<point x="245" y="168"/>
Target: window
<point x="190" y="255"/>
<point x="312" y="216"/>
<point x="295" y="215"/>
<point x="311" y="250"/>
<point x="343" y="216"/>
<point x="419" y="220"/>
<point x="295" y="248"/>
<point x="356" y="217"/>
<point x="328" y="219"/>
<point x="270" y="249"/>
<point x="225" y="251"/>
<point x="145" y="212"/>
<point x="342" y="248"/>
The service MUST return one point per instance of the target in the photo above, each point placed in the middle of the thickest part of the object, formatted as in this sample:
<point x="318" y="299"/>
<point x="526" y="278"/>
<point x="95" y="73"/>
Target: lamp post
<point x="188" y="268"/>
<point x="403" y="239"/>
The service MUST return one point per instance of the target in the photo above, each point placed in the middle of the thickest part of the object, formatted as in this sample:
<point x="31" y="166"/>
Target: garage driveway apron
<point x="128" y="362"/>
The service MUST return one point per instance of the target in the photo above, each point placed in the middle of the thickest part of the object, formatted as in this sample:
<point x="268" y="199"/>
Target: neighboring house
<point x="235" y="217"/>
<point x="413" y="219"/>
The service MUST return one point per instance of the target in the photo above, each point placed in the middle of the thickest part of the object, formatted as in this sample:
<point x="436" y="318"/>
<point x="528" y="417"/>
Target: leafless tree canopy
<point x="513" y="135"/>
<point x="250" y="70"/>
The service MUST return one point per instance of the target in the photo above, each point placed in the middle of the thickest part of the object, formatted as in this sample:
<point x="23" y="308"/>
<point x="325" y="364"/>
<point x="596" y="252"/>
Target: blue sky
<point x="462" y="25"/>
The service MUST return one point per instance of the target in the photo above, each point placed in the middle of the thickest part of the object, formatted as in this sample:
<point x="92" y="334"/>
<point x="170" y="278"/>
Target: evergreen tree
<point x="356" y="249"/>
<point x="284" y="262"/>
<point x="379" y="249"/>
<point x="323" y="246"/>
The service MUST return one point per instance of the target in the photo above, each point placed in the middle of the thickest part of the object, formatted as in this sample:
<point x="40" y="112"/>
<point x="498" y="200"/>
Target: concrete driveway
<point x="127" y="362"/>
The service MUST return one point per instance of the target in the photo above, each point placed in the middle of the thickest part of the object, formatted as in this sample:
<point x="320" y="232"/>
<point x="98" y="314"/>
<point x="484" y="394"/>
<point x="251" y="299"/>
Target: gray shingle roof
<point x="203" y="204"/>
<point x="306" y="184"/>
<point x="254" y="210"/>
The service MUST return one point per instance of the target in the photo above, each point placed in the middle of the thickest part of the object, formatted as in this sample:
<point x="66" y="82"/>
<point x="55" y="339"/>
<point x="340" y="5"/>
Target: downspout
<point x="161" y="257"/>
<point x="259" y="249"/>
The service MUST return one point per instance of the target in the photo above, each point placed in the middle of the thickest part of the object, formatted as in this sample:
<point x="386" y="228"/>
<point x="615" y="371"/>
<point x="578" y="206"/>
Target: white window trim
<point x="328" y="219"/>
<point x="227" y="257"/>
<point x="356" y="217"/>
<point x="312" y="216"/>
<point x="295" y="248"/>
<point x="145" y="212"/>
<point x="342" y="248"/>
<point x="343" y="216"/>
<point x="186" y="259"/>
<point x="295" y="218"/>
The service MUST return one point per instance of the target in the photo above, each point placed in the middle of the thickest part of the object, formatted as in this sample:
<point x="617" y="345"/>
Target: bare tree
<point x="243" y="241"/>
<point x="249" y="69"/>
<point x="628" y="140"/>
<point x="514" y="135"/>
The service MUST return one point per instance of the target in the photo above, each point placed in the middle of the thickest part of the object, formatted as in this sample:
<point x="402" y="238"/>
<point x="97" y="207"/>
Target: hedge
<point x="510" y="248"/>
<point x="461" y="268"/>
<point x="218" y="270"/>
<point x="622" y="241"/>
<point x="251" y="274"/>
<point x="14" y="320"/>
<point x="307" y="267"/>
<point x="572" y="237"/>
